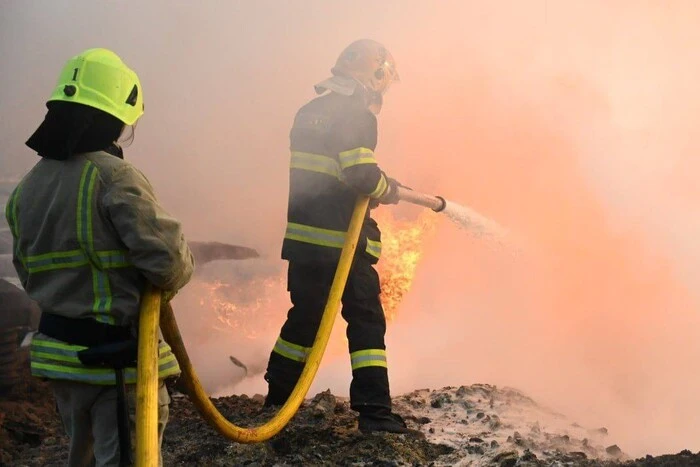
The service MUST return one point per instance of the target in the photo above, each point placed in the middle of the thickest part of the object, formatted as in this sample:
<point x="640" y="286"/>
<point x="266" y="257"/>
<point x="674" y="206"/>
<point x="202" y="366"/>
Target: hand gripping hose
<point x="196" y="392"/>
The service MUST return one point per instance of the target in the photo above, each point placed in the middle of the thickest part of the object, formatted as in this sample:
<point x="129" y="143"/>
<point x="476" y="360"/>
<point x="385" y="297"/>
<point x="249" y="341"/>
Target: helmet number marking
<point x="75" y="74"/>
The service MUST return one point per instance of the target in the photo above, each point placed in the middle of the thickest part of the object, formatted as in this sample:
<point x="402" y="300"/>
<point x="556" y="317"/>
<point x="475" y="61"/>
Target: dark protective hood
<point x="70" y="128"/>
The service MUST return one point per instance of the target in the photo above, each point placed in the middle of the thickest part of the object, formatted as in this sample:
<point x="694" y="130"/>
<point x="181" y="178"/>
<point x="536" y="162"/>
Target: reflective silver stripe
<point x="315" y="163"/>
<point x="369" y="357"/>
<point x="295" y="352"/>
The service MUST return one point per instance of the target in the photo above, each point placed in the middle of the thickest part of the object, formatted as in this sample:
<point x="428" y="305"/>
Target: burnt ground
<point x="323" y="433"/>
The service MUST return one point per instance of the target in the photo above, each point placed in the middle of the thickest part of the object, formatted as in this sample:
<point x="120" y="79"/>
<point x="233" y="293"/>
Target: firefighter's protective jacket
<point x="332" y="146"/>
<point x="88" y="235"/>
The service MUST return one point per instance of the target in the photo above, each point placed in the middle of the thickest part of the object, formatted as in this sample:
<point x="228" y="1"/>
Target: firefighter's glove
<point x="391" y="196"/>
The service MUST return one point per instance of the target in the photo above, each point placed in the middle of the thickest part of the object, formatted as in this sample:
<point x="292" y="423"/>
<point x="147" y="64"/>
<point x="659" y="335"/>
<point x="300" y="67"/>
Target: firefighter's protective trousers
<point x="309" y="285"/>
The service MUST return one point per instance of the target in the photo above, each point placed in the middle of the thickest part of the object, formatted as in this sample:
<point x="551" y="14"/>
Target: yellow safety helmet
<point x="98" y="78"/>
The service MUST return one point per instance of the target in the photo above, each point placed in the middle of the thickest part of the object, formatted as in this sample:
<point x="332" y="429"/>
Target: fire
<point x="248" y="306"/>
<point x="402" y="249"/>
<point x="254" y="306"/>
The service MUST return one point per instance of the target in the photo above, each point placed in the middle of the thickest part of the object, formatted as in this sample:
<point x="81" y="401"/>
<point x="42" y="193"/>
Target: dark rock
<point x="475" y="439"/>
<point x="506" y="458"/>
<point x="475" y="450"/>
<point x="440" y="400"/>
<point x="206" y="252"/>
<point x="614" y="450"/>
<point x="494" y="444"/>
<point x="528" y="456"/>
<point x="323" y="404"/>
<point x="578" y="455"/>
<point x="423" y="420"/>
<point x="480" y="415"/>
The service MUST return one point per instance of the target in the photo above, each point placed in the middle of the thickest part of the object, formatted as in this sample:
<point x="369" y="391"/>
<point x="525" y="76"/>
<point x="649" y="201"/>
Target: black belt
<point x="85" y="331"/>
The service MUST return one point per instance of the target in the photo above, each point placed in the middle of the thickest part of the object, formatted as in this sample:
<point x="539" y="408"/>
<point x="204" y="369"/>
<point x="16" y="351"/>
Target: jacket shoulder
<point x="111" y="167"/>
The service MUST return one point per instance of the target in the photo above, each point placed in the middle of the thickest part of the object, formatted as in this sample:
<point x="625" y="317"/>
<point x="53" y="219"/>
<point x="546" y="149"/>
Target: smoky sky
<point x="570" y="122"/>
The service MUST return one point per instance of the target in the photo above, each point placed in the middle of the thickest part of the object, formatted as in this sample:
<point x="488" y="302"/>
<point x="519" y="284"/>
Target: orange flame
<point x="248" y="306"/>
<point x="251" y="306"/>
<point x="402" y="249"/>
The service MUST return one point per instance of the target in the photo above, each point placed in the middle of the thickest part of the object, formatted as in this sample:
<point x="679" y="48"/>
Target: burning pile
<point x="250" y="305"/>
<point x="247" y="306"/>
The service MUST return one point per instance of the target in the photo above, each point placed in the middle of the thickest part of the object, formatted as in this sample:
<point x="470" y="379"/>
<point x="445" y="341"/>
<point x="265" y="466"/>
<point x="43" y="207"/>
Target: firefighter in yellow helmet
<point x="89" y="235"/>
<point x="333" y="139"/>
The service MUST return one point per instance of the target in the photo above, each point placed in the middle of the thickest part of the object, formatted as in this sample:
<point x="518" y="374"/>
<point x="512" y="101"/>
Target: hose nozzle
<point x="442" y="206"/>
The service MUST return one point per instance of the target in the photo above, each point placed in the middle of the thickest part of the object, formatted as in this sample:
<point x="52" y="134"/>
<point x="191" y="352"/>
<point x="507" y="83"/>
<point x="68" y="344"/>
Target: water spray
<point x="466" y="217"/>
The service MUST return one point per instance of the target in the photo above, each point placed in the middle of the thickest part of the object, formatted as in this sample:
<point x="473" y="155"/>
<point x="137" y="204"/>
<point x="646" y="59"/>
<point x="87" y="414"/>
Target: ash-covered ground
<point x="466" y="425"/>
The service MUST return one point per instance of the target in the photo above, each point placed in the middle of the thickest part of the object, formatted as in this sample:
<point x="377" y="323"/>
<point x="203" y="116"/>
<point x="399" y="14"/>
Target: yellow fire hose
<point x="146" y="430"/>
<point x="147" y="451"/>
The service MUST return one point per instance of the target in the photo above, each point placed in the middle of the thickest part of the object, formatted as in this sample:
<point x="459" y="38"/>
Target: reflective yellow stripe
<point x="374" y="248"/>
<point x="113" y="259"/>
<point x="59" y="360"/>
<point x="315" y="235"/>
<point x="56" y="260"/>
<point x="295" y="352"/>
<point x="325" y="237"/>
<point x="11" y="216"/>
<point x="74" y="259"/>
<point x="84" y="211"/>
<point x="315" y="163"/>
<point x="102" y="304"/>
<point x="382" y="185"/>
<point x="38" y="341"/>
<point x="356" y="156"/>
<point x="369" y="357"/>
<point x="11" y="211"/>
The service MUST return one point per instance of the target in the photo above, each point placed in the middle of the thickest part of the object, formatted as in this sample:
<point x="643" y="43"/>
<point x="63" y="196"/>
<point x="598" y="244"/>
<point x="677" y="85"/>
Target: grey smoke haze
<point x="571" y="122"/>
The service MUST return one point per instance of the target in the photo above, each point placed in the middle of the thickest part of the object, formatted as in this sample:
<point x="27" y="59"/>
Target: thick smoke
<point x="569" y="122"/>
